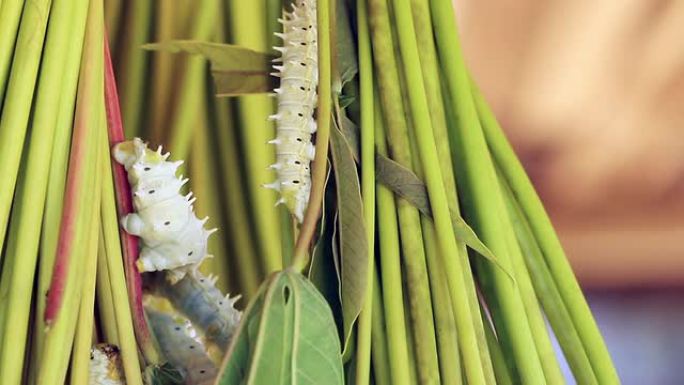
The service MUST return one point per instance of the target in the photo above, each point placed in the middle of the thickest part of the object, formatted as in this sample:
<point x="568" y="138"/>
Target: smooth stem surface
<point x="364" y="334"/>
<point x="320" y="162"/>
<point x="468" y="340"/>
<point x="549" y="244"/>
<point x="414" y="260"/>
<point x="548" y="294"/>
<point x="19" y="98"/>
<point x="381" y="369"/>
<point x="80" y="359"/>
<point x="58" y="167"/>
<point x="483" y="192"/>
<point x="390" y="271"/>
<point x="115" y="268"/>
<point x="248" y="29"/>
<point x="10" y="14"/>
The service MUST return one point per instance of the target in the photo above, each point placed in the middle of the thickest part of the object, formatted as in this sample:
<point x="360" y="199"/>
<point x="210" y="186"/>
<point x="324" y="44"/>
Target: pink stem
<point x="124" y="204"/>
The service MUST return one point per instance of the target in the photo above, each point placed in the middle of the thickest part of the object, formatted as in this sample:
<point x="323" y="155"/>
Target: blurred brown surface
<point x="591" y="94"/>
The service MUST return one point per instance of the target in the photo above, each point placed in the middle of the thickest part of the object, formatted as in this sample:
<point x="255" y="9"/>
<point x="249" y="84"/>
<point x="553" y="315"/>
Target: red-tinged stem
<point x="124" y="204"/>
<point x="77" y="161"/>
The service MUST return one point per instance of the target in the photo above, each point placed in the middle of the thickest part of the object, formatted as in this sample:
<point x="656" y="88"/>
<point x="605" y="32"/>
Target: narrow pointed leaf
<point x="236" y="70"/>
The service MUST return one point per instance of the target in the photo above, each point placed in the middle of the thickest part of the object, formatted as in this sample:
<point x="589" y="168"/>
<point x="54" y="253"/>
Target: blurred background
<point x="591" y="93"/>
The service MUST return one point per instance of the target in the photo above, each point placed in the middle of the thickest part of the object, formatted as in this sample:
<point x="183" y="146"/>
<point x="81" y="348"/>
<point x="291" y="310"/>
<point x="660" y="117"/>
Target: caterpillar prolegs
<point x="298" y="72"/>
<point x="173" y="237"/>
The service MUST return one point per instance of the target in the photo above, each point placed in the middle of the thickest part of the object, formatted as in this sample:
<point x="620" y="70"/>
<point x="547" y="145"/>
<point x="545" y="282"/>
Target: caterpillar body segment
<point x="173" y="238"/>
<point x="297" y="69"/>
<point x="182" y="346"/>
<point x="197" y="297"/>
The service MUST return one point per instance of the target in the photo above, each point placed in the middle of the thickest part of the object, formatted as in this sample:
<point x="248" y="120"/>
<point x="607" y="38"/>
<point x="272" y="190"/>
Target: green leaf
<point x="287" y="336"/>
<point x="352" y="232"/>
<point x="351" y="134"/>
<point x="407" y="185"/>
<point x="402" y="182"/>
<point x="236" y="70"/>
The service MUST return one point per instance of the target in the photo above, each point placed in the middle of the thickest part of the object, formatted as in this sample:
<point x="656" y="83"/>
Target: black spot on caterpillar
<point x="298" y="73"/>
<point x="173" y="238"/>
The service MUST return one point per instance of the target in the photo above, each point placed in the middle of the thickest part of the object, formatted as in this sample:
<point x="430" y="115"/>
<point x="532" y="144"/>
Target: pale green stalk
<point x="409" y="219"/>
<point x="503" y="377"/>
<point x="364" y="333"/>
<point x="27" y="214"/>
<point x="58" y="168"/>
<point x="191" y="102"/>
<point x="484" y="194"/>
<point x="132" y="64"/>
<point x="115" y="268"/>
<point x="204" y="184"/>
<point x="10" y="14"/>
<point x="548" y="294"/>
<point x="248" y="29"/>
<point x="380" y="356"/>
<point x="390" y="271"/>
<point x="236" y="212"/>
<point x="446" y="240"/>
<point x="80" y="359"/>
<point x="550" y="246"/>
<point x="105" y="302"/>
<point x="19" y="96"/>
<point x="433" y="88"/>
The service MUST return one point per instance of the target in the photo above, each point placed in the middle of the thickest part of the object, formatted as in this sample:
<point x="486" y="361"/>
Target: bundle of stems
<point x="436" y="259"/>
<point x="469" y="320"/>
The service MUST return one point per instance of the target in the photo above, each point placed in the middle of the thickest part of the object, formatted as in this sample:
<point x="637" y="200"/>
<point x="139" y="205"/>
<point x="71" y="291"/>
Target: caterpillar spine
<point x="297" y="98"/>
<point x="173" y="238"/>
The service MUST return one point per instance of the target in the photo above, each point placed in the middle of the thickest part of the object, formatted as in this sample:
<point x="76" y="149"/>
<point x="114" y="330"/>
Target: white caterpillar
<point x="173" y="237"/>
<point x="105" y="366"/>
<point x="297" y="99"/>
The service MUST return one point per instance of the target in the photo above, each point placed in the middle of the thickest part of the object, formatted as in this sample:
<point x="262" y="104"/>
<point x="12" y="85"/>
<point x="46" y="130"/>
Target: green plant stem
<point x="105" y="302"/>
<point x="390" y="271"/>
<point x="324" y="112"/>
<point x="237" y="215"/>
<point x="364" y="332"/>
<point x="10" y="14"/>
<point x="549" y="244"/>
<point x="115" y="268"/>
<point x="548" y="294"/>
<point x="503" y="377"/>
<point x="191" y="101"/>
<point x="380" y="356"/>
<point x="248" y="29"/>
<point x="409" y="218"/>
<point x="484" y="194"/>
<point x="19" y="97"/>
<point x="80" y="360"/>
<point x="446" y="240"/>
<point x="58" y="169"/>
<point x="132" y="64"/>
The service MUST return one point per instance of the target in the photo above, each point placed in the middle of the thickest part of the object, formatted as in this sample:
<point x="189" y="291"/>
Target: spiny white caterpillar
<point x="105" y="366"/>
<point x="181" y="346"/>
<point x="198" y="299"/>
<point x="297" y="99"/>
<point x="173" y="237"/>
